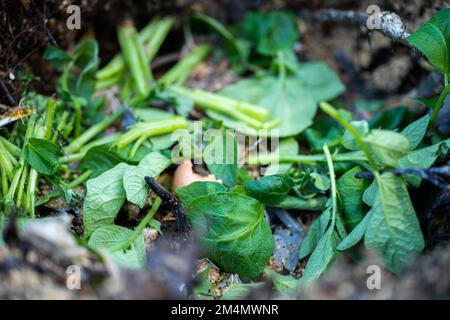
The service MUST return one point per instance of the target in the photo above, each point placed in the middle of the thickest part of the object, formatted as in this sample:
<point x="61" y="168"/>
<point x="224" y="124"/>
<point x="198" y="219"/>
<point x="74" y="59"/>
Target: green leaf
<point x="350" y="193"/>
<point x="197" y="189"/>
<point x="99" y="159"/>
<point x="387" y="146"/>
<point x="315" y="233"/>
<point x="433" y="39"/>
<point x="77" y="81"/>
<point x="233" y="231"/>
<point x="42" y="155"/>
<point x="270" y="190"/>
<point x="321" y="257"/>
<point x="285" y="285"/>
<point x="422" y="159"/>
<point x="370" y="193"/>
<point x="393" y="230"/>
<point x="390" y="119"/>
<point x="239" y="291"/>
<point x="133" y="178"/>
<point x="57" y="56"/>
<point x="105" y="196"/>
<point x="324" y="131"/>
<point x="415" y="131"/>
<point x="356" y="235"/>
<point x="111" y="237"/>
<point x="348" y="140"/>
<point x="271" y="32"/>
<point x="293" y="98"/>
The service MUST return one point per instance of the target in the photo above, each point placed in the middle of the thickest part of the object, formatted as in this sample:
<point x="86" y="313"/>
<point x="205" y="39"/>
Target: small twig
<point x="10" y="99"/>
<point x="44" y="23"/>
<point x="435" y="175"/>
<point x="391" y="25"/>
<point x="170" y="201"/>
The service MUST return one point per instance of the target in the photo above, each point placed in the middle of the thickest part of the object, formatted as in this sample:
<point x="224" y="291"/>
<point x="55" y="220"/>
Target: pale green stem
<point x="332" y="112"/>
<point x="154" y="128"/>
<point x="89" y="134"/>
<point x="333" y="184"/>
<point x="140" y="228"/>
<point x="181" y="71"/>
<point x="306" y="159"/>
<point x="246" y="112"/>
<point x="439" y="104"/>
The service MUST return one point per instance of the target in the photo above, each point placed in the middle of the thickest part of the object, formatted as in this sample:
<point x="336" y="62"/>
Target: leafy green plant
<point x="107" y="193"/>
<point x="237" y="243"/>
<point x="433" y="39"/>
<point x="292" y="97"/>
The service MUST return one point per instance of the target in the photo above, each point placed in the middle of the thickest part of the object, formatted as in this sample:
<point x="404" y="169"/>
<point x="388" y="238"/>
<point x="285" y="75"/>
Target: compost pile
<point x="285" y="151"/>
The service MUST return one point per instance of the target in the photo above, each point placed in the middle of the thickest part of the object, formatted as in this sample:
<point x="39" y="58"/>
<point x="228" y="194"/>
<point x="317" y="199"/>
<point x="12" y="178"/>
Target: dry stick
<point x="10" y="99"/>
<point x="170" y="201"/>
<point x="391" y="25"/>
<point x="44" y="23"/>
<point x="435" y="175"/>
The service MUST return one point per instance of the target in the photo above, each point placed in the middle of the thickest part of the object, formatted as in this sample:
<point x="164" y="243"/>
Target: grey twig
<point x="391" y="25"/>
<point x="434" y="175"/>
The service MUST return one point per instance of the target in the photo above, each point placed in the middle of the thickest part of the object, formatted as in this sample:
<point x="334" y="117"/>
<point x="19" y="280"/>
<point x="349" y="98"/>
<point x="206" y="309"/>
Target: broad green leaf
<point x="387" y="146"/>
<point x="356" y="235"/>
<point x="317" y="203"/>
<point x="350" y="193"/>
<point x="270" y="32"/>
<point x="320" y="81"/>
<point x="136" y="188"/>
<point x="348" y="141"/>
<point x="42" y="155"/>
<point x="197" y="189"/>
<point x="99" y="159"/>
<point x="105" y="196"/>
<point x="393" y="230"/>
<point x="233" y="231"/>
<point x="433" y="39"/>
<point x="293" y="98"/>
<point x="270" y="190"/>
<point x="415" y="131"/>
<point x="111" y="237"/>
